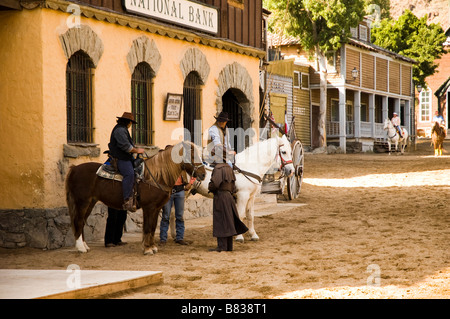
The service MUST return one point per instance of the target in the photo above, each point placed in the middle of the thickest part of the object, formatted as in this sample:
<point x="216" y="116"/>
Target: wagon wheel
<point x="294" y="183"/>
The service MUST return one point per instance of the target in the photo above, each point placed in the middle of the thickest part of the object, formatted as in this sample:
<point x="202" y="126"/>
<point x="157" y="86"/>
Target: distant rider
<point x="396" y="122"/>
<point x="438" y="118"/>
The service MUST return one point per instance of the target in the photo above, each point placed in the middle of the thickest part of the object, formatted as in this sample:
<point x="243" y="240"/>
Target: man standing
<point x="177" y="200"/>
<point x="114" y="227"/>
<point x="121" y="147"/>
<point x="226" y="222"/>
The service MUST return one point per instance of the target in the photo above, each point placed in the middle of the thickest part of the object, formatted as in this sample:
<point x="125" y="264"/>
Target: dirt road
<point x="374" y="226"/>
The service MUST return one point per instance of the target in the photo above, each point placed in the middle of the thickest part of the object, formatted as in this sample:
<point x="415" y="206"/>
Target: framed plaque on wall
<point x="172" y="111"/>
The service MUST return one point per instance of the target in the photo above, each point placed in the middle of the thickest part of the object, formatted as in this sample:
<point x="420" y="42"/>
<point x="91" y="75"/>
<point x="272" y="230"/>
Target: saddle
<point x="109" y="169"/>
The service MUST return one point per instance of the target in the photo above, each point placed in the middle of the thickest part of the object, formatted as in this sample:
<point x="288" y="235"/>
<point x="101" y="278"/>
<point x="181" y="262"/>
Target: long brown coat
<point x="226" y="220"/>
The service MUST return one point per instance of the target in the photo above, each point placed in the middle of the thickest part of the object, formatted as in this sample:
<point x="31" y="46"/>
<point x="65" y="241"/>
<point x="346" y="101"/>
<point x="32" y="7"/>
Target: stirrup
<point x="129" y="205"/>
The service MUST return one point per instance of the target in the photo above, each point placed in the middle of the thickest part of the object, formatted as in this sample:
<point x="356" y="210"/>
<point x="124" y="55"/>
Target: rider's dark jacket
<point x="121" y="143"/>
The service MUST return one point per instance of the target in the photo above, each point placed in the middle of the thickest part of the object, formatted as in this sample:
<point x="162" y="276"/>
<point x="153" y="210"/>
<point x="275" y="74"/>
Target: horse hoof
<point x="154" y="249"/>
<point x="81" y="246"/>
<point x="148" y="252"/>
<point x="239" y="240"/>
<point x="255" y="238"/>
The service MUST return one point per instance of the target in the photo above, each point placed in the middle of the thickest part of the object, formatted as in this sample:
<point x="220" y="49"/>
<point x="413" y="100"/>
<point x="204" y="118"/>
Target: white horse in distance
<point x="394" y="137"/>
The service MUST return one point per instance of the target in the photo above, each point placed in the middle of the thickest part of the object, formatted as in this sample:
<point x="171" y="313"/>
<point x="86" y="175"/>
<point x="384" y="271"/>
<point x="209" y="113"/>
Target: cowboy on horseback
<point x="121" y="148"/>
<point x="219" y="139"/>
<point x="439" y="119"/>
<point x="396" y="122"/>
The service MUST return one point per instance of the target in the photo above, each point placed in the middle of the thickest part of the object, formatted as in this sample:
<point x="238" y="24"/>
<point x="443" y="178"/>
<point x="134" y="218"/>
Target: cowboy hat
<point x="127" y="116"/>
<point x="222" y="117"/>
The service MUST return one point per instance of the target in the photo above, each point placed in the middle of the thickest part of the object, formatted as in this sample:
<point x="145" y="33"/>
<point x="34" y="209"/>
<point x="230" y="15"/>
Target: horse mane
<point x="436" y="128"/>
<point x="162" y="167"/>
<point x="255" y="153"/>
<point x="252" y="149"/>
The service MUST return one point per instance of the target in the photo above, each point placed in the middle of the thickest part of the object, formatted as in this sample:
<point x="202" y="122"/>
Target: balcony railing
<point x="379" y="132"/>
<point x="365" y="129"/>
<point x="333" y="129"/>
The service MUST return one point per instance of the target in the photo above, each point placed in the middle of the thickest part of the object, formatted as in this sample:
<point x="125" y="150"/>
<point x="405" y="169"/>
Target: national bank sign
<point x="183" y="12"/>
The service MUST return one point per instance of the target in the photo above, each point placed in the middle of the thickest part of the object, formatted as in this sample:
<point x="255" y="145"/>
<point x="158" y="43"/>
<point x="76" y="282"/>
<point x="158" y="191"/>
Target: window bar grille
<point x="192" y="108"/>
<point x="79" y="98"/>
<point x="141" y="99"/>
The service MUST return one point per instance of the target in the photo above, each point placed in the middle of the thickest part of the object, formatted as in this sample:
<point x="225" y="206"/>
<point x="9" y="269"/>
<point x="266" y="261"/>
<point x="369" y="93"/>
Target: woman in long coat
<point x="226" y="222"/>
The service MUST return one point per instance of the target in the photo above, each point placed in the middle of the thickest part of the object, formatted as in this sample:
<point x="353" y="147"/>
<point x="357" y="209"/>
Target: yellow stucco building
<point x="67" y="70"/>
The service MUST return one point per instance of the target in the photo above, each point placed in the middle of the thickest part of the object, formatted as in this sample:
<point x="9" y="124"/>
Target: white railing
<point x="365" y="129"/>
<point x="379" y="132"/>
<point x="333" y="129"/>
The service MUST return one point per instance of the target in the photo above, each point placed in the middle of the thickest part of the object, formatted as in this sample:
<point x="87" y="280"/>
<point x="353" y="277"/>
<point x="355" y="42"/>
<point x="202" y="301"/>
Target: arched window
<point x="425" y="105"/>
<point x="141" y="104"/>
<point x="79" y="74"/>
<point x="192" y="93"/>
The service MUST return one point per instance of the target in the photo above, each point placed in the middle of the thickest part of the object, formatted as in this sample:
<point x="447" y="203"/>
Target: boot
<point x="129" y="205"/>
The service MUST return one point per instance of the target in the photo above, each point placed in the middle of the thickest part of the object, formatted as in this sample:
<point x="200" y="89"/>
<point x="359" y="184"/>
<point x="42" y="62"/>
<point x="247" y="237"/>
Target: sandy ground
<point x="374" y="226"/>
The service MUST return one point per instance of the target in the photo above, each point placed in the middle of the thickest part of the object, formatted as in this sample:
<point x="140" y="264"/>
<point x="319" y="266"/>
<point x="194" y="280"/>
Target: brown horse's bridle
<point x="195" y="168"/>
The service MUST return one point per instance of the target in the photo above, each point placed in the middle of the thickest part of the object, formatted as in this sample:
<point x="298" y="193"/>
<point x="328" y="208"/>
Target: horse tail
<point x="69" y="197"/>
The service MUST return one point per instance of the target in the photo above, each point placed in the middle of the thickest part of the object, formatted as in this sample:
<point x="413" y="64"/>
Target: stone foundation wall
<point x="51" y="228"/>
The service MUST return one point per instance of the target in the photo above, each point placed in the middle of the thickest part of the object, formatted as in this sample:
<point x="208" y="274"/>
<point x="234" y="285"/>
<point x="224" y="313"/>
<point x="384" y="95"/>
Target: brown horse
<point x="437" y="137"/>
<point x="84" y="188"/>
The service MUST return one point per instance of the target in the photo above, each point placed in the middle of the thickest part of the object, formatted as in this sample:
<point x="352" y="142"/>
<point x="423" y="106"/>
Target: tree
<point x="321" y="26"/>
<point x="413" y="38"/>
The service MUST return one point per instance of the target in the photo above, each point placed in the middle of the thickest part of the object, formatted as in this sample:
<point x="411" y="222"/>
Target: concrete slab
<point x="70" y="284"/>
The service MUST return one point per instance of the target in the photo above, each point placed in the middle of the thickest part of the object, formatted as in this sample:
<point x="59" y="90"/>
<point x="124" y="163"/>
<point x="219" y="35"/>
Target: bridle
<point x="388" y="127"/>
<point x="283" y="164"/>
<point x="283" y="161"/>
<point x="195" y="168"/>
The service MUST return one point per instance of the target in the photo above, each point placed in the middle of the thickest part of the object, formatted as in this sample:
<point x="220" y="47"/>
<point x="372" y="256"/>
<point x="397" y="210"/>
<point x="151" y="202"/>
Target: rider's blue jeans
<point x="127" y="171"/>
<point x="176" y="199"/>
<point x="399" y="130"/>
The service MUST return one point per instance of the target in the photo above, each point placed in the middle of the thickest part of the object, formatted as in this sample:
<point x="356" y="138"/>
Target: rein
<point x="154" y="179"/>
<point x="246" y="173"/>
<point x="164" y="187"/>
<point x="391" y="137"/>
<point x="395" y="132"/>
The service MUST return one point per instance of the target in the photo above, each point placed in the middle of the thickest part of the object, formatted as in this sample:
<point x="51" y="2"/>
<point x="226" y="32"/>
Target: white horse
<point x="394" y="137"/>
<point x="256" y="159"/>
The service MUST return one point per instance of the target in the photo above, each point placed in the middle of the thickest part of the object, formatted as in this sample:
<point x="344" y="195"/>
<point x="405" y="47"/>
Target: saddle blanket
<point x="105" y="173"/>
